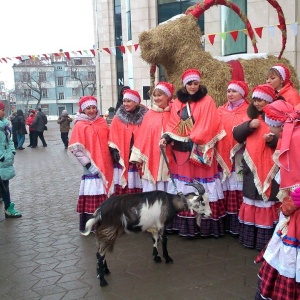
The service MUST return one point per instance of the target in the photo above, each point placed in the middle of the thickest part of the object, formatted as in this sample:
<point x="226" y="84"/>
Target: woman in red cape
<point x="89" y="144"/>
<point x="258" y="214"/>
<point x="192" y="132"/>
<point x="123" y="129"/>
<point x="279" y="275"/>
<point x="146" y="150"/>
<point x="230" y="153"/>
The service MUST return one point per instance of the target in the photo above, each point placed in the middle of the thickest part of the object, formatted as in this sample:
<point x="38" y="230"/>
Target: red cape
<point x="91" y="137"/>
<point x="228" y="146"/>
<point x="207" y="129"/>
<point x="146" y="143"/>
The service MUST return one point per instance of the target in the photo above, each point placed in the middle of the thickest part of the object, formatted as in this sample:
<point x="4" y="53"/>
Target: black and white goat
<point x="148" y="211"/>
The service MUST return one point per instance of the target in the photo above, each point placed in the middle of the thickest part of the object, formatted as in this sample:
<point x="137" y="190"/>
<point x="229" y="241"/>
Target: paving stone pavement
<point x="43" y="256"/>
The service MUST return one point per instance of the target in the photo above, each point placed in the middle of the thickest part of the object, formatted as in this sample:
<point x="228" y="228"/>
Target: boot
<point x="10" y="212"/>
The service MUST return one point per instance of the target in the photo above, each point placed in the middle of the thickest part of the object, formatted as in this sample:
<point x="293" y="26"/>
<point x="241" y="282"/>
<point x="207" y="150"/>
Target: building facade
<point x="120" y="22"/>
<point x="54" y="84"/>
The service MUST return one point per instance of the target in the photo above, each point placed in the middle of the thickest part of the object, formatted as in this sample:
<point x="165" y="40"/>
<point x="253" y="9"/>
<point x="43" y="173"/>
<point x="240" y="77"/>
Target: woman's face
<point x="233" y="95"/>
<point x="192" y="87"/>
<point x="2" y="113"/>
<point x="259" y="103"/>
<point x="275" y="81"/>
<point x="129" y="105"/>
<point x="91" y="111"/>
<point x="160" y="98"/>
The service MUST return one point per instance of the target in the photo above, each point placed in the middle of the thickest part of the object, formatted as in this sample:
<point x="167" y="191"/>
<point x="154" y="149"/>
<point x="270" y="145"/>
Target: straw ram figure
<point x="175" y="45"/>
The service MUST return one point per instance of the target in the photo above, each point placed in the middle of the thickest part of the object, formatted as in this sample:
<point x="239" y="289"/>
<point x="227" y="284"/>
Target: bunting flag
<point x="112" y="50"/>
<point x="234" y="34"/>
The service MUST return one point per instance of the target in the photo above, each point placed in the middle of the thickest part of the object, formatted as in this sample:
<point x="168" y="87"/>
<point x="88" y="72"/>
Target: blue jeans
<point x="21" y="139"/>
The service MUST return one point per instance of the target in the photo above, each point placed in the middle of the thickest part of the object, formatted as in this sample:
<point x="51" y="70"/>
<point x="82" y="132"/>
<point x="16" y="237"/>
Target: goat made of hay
<point x="175" y="45"/>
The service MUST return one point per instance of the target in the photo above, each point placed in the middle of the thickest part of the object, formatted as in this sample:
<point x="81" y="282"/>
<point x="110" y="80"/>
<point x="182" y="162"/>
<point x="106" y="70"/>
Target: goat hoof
<point x="157" y="259"/>
<point x="103" y="283"/>
<point x="169" y="260"/>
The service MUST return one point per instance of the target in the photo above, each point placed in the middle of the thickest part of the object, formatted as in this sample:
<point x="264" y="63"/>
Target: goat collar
<point x="185" y="205"/>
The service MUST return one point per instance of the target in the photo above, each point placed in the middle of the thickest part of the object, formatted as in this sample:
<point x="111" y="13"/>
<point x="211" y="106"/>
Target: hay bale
<point x="176" y="46"/>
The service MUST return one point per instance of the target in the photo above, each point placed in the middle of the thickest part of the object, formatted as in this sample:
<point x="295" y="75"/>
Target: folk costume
<point x="229" y="154"/>
<point x="89" y="144"/>
<point x="146" y="150"/>
<point x="258" y="213"/>
<point x="288" y="92"/>
<point x="192" y="132"/>
<point x="123" y="129"/>
<point x="279" y="275"/>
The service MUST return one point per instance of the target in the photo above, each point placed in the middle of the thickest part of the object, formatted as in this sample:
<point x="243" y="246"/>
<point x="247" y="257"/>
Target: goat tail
<point x="91" y="222"/>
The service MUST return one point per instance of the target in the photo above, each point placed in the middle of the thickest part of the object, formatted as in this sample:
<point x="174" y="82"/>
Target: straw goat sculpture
<point x="175" y="45"/>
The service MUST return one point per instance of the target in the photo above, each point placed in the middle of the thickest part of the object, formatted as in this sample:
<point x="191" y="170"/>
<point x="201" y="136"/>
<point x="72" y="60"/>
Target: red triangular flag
<point x="67" y="54"/>
<point x="211" y="38"/>
<point x="93" y="51"/>
<point x="107" y="50"/>
<point x="234" y="34"/>
<point x="45" y="55"/>
<point x="122" y="49"/>
<point x="136" y="46"/>
<point x="19" y="58"/>
<point x="79" y="51"/>
<point x="281" y="27"/>
<point x="4" y="59"/>
<point x="57" y="54"/>
<point x="259" y="30"/>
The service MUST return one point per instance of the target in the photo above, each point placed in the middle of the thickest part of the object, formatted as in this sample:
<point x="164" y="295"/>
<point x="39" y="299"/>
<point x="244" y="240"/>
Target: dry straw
<point x="176" y="46"/>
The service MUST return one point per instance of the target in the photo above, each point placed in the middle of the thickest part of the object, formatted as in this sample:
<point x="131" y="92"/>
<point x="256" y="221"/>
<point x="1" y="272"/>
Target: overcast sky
<point x="35" y="27"/>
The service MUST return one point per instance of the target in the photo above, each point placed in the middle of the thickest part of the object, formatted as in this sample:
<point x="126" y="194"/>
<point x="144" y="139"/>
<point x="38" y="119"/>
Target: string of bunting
<point x="113" y="50"/>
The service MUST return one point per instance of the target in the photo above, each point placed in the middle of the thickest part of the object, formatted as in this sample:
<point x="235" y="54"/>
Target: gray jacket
<point x="39" y="121"/>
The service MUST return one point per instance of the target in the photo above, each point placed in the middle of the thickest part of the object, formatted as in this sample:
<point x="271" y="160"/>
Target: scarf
<point x="91" y="137"/>
<point x="228" y="147"/>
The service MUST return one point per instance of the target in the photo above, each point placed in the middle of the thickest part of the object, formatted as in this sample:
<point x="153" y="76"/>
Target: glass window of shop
<point x="230" y="21"/>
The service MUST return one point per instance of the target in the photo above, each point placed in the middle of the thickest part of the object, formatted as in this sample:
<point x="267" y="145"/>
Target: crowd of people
<point x="243" y="153"/>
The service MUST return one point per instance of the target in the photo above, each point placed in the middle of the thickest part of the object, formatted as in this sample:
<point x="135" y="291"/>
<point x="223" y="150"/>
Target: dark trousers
<point x="65" y="138"/>
<point x="36" y="135"/>
<point x="6" y="194"/>
<point x="31" y="137"/>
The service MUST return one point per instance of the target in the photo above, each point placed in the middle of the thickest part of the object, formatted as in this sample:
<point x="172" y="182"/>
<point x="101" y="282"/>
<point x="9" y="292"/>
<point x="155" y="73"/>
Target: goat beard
<point x="198" y="220"/>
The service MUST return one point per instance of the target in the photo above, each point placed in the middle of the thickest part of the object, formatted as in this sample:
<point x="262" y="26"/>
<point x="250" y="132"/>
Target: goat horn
<point x="198" y="9"/>
<point x="198" y="186"/>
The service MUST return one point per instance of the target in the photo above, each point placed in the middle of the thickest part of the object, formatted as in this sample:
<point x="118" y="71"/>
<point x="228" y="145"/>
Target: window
<point x="60" y="81"/>
<point x="61" y="96"/>
<point x="128" y="20"/>
<point x="230" y="22"/>
<point x="74" y="74"/>
<point x="74" y="91"/>
<point x="90" y="90"/>
<point x="25" y="76"/>
<point x="59" y="68"/>
<point x="77" y="61"/>
<point x="44" y="93"/>
<point x="26" y="93"/>
<point x="91" y="75"/>
<point x="42" y="76"/>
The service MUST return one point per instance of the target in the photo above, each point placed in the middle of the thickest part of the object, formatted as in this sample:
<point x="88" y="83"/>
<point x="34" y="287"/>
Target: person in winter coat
<point x="89" y="144"/>
<point x="20" y="128"/>
<point x="258" y="213"/>
<point x="38" y="125"/>
<point x="7" y="171"/>
<point x="64" y="122"/>
<point x="29" y="122"/>
<point x="13" y="129"/>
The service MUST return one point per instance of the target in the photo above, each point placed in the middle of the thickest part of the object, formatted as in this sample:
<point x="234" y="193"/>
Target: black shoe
<point x="44" y="145"/>
<point x="29" y="146"/>
<point x="33" y="146"/>
<point x="20" y="148"/>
